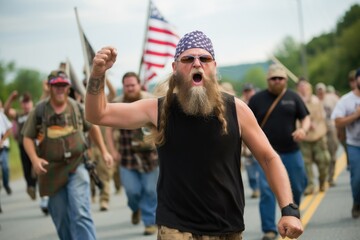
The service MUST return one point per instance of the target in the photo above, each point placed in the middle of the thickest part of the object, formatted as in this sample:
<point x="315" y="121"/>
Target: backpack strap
<point x="40" y="115"/>
<point x="76" y="114"/>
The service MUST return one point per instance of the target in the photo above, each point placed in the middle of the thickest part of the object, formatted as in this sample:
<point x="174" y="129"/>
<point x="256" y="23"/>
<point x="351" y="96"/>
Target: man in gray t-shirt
<point x="347" y="114"/>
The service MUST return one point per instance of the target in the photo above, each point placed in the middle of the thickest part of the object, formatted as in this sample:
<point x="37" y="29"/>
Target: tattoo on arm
<point x="95" y="85"/>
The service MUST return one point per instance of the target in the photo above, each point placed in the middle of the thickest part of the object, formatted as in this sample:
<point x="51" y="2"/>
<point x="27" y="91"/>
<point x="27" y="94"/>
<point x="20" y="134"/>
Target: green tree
<point x="5" y="70"/>
<point x="288" y="53"/>
<point x="256" y="76"/>
<point x="330" y="56"/>
<point x="320" y="44"/>
<point x="350" y="17"/>
<point x="348" y="54"/>
<point x="27" y="80"/>
<point x="323" y="66"/>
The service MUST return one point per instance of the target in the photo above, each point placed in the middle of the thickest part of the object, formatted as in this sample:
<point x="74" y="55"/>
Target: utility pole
<point x="302" y="41"/>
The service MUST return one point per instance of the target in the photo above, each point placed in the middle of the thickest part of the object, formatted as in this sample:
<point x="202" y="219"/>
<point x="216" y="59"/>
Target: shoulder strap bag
<point x="273" y="105"/>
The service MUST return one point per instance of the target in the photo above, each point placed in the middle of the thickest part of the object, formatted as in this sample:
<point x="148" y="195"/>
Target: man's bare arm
<point x="95" y="86"/>
<point x="274" y="169"/>
<point x="37" y="162"/>
<point x="10" y="112"/>
<point x="259" y="145"/>
<point x="344" y="121"/>
<point x="120" y="115"/>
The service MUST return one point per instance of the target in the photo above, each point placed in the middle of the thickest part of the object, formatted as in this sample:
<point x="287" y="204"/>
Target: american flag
<point x="160" y="44"/>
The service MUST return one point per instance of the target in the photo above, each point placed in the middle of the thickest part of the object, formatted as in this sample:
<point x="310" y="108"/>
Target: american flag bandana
<point x="195" y="39"/>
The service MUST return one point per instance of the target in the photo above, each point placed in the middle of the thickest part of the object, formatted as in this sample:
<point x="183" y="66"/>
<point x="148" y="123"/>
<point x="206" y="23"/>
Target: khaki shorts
<point x="166" y="233"/>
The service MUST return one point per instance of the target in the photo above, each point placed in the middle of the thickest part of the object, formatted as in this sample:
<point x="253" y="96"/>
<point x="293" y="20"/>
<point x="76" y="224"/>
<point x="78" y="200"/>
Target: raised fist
<point x="103" y="60"/>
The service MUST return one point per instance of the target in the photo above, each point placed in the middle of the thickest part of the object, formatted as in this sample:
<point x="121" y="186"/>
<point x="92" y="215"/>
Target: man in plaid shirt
<point x="138" y="161"/>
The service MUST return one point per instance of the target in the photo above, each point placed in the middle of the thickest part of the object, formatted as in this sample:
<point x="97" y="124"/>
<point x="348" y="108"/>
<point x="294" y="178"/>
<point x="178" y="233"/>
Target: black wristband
<point x="291" y="210"/>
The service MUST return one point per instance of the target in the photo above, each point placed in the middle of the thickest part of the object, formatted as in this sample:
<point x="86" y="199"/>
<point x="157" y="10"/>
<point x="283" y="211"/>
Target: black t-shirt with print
<point x="282" y="121"/>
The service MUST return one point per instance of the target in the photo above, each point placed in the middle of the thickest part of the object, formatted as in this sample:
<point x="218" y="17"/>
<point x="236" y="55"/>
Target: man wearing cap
<point x="198" y="133"/>
<point x="329" y="101"/>
<point x="340" y="131"/>
<point x="139" y="167"/>
<point x="280" y="128"/>
<point x="314" y="146"/>
<point x="20" y="118"/>
<point x="58" y="158"/>
<point x="347" y="114"/>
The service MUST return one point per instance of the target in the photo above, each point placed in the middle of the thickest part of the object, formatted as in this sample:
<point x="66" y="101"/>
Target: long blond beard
<point x="197" y="100"/>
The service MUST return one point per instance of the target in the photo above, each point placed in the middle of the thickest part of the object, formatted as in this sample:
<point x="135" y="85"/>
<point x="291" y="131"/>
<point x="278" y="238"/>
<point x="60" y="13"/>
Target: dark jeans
<point x="4" y="163"/>
<point x="27" y="167"/>
<point x="294" y="165"/>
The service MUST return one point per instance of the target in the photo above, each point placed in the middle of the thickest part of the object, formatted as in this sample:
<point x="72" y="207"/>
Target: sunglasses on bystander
<point x="276" y="78"/>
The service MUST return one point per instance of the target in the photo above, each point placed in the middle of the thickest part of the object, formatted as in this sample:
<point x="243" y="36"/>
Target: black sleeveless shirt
<point x="200" y="188"/>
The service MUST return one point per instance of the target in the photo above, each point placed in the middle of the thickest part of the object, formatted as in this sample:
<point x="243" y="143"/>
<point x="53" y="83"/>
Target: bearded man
<point x="280" y="129"/>
<point x="138" y="160"/>
<point x="199" y="134"/>
<point x="58" y="158"/>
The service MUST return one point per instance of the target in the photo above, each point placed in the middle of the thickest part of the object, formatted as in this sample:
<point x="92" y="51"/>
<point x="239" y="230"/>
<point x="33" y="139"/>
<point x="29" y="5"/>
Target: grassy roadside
<point x="14" y="161"/>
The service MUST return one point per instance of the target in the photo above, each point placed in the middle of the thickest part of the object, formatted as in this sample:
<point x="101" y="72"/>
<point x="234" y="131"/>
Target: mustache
<point x="196" y="71"/>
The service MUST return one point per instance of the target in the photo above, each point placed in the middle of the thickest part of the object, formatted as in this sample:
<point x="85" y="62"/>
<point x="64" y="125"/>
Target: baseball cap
<point x="228" y="87"/>
<point x="357" y="74"/>
<point x="320" y="86"/>
<point x="58" y="77"/>
<point x="276" y="70"/>
<point x="330" y="89"/>
<point x="26" y="97"/>
<point x="247" y="87"/>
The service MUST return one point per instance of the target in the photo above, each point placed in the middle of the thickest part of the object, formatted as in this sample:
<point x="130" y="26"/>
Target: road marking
<point x="312" y="208"/>
<point x="312" y="202"/>
<point x="339" y="167"/>
<point x="305" y="203"/>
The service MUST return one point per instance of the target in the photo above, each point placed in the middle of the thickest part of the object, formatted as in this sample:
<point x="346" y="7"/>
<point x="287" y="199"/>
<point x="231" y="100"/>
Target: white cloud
<point x="40" y="33"/>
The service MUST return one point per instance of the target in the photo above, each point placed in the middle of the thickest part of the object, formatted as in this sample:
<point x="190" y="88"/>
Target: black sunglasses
<point x="191" y="59"/>
<point x="276" y="78"/>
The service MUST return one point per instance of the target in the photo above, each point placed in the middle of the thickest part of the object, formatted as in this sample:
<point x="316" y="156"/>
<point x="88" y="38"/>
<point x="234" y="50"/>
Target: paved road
<point x="325" y="216"/>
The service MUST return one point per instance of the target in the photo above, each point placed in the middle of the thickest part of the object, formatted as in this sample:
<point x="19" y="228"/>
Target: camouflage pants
<point x="166" y="233"/>
<point x="316" y="152"/>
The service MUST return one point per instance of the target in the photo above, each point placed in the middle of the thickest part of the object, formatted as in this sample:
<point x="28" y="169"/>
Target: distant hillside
<point x="237" y="72"/>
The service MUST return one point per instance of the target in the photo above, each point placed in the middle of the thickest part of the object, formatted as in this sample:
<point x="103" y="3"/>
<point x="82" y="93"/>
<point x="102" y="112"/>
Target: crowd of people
<point x="179" y="152"/>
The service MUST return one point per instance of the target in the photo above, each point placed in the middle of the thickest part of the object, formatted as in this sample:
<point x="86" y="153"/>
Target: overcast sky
<point x="38" y="34"/>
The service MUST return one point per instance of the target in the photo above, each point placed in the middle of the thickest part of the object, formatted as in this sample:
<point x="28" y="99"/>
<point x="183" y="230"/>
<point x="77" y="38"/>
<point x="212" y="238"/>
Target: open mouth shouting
<point x="197" y="79"/>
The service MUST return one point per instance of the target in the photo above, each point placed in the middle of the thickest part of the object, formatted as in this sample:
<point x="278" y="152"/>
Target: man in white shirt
<point x="5" y="131"/>
<point x="347" y="114"/>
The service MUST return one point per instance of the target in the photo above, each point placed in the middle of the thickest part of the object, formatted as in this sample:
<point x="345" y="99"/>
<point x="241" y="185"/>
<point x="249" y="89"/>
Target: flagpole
<point x="87" y="68"/>
<point x="291" y="75"/>
<point x="145" y="40"/>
